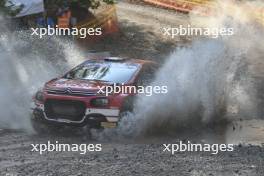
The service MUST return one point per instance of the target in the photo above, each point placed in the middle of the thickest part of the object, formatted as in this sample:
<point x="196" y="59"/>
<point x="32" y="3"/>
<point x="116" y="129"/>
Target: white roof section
<point x="30" y="7"/>
<point x="26" y="1"/>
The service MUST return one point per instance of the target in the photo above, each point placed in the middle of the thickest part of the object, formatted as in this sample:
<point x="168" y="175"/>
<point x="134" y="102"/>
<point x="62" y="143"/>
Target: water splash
<point x="27" y="62"/>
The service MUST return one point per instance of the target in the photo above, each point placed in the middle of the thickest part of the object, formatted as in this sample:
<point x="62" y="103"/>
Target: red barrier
<point x="183" y="5"/>
<point x="206" y="7"/>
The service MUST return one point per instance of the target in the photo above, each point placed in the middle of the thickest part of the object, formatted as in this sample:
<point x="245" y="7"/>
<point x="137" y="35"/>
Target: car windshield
<point x="108" y="72"/>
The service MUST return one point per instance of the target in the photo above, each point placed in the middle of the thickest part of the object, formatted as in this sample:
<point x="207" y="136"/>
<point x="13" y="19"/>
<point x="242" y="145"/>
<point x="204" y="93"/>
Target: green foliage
<point x="7" y="7"/>
<point x="109" y="1"/>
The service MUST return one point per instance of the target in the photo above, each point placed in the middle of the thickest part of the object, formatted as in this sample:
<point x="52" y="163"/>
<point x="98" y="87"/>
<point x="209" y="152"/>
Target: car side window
<point x="146" y="75"/>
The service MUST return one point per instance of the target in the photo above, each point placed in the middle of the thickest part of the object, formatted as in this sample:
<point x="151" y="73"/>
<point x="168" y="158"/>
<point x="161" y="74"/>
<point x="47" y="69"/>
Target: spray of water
<point x="26" y="64"/>
<point x="209" y="81"/>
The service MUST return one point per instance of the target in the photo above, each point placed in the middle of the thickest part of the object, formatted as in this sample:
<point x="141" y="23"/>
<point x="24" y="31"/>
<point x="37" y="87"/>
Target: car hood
<point x="75" y="84"/>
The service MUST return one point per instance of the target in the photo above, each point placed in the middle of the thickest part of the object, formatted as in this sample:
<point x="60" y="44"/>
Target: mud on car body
<point x="74" y="99"/>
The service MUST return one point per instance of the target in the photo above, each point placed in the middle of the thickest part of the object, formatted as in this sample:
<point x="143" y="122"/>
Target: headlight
<point x="39" y="96"/>
<point x="99" y="102"/>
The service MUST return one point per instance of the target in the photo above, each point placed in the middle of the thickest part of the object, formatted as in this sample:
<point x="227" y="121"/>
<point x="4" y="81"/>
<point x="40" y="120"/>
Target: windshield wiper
<point x="68" y="77"/>
<point x="97" y="80"/>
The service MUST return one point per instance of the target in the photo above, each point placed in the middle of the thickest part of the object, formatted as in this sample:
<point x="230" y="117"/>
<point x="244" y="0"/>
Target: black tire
<point x="41" y="127"/>
<point x="128" y="105"/>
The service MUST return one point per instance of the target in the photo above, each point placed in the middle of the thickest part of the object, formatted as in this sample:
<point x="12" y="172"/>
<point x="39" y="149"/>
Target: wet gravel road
<point x="16" y="158"/>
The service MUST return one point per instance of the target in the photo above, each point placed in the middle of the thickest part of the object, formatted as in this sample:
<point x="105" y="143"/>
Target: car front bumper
<point x="93" y="116"/>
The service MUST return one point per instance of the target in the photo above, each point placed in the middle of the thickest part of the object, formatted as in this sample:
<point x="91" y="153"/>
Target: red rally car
<point x="75" y="100"/>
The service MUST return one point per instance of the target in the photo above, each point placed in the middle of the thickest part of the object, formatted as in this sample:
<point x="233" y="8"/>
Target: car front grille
<point x="65" y="109"/>
<point x="70" y="92"/>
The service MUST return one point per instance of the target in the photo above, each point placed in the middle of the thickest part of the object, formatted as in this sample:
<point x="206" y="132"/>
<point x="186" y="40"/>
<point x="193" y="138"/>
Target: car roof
<point x="120" y="60"/>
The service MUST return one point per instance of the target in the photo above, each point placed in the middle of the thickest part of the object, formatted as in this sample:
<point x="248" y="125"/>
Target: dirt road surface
<point x="121" y="159"/>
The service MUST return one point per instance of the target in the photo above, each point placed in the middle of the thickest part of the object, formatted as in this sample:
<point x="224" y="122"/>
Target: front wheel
<point x="41" y="127"/>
